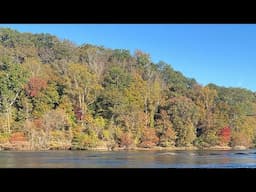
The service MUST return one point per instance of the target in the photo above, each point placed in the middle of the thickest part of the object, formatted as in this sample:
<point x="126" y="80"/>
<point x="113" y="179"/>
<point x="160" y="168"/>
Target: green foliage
<point x="116" y="77"/>
<point x="46" y="100"/>
<point x="85" y="141"/>
<point x="59" y="140"/>
<point x="66" y="96"/>
<point x="184" y="116"/>
<point x="12" y="80"/>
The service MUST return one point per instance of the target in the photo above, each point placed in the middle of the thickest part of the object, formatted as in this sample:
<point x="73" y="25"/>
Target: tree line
<point x="58" y="95"/>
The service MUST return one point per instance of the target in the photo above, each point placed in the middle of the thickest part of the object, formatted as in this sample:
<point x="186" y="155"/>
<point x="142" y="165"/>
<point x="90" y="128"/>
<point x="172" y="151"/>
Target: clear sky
<point x="223" y="54"/>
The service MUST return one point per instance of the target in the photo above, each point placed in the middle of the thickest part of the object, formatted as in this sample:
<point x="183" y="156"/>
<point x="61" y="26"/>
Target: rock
<point x="217" y="147"/>
<point x="240" y="147"/>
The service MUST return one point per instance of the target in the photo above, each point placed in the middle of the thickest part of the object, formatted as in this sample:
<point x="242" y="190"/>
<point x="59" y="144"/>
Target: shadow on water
<point x="215" y="154"/>
<point x="241" y="153"/>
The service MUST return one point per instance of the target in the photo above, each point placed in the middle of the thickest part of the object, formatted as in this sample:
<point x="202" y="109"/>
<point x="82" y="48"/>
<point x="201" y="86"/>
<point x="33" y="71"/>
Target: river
<point x="129" y="159"/>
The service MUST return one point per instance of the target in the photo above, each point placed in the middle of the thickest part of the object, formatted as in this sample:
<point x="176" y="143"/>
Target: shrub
<point x="126" y="140"/>
<point x="149" y="138"/>
<point x="4" y="138"/>
<point x="85" y="141"/>
<point x="59" y="140"/>
<point x="17" y="137"/>
<point x="225" y="135"/>
<point x="239" y="138"/>
<point x="168" y="138"/>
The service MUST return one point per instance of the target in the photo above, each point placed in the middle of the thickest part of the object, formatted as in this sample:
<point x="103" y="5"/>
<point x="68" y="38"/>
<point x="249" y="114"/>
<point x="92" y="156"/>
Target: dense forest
<point x="58" y="95"/>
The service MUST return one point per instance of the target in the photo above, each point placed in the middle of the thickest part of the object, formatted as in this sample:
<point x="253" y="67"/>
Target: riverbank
<point x="166" y="148"/>
<point x="10" y="147"/>
<point x="157" y="148"/>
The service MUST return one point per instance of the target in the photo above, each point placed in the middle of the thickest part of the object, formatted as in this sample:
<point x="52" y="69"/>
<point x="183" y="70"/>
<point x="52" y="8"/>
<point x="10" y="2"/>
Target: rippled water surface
<point x="129" y="159"/>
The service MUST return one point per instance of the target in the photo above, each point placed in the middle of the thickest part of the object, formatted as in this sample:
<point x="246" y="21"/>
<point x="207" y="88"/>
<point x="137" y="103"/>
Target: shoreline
<point x="215" y="148"/>
<point x="105" y="149"/>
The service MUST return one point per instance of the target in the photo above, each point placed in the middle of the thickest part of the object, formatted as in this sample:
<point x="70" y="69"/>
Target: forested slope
<point x="57" y="95"/>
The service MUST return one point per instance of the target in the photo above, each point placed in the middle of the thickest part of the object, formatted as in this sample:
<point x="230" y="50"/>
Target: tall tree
<point x="12" y="80"/>
<point x="184" y="117"/>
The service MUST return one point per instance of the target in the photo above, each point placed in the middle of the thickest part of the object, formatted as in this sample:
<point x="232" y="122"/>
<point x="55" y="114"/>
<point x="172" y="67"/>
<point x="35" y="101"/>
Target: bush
<point x="85" y="141"/>
<point x="225" y="135"/>
<point x="200" y="142"/>
<point x="168" y="138"/>
<point x="4" y="138"/>
<point x="106" y="135"/>
<point x="149" y="138"/>
<point x="17" y="137"/>
<point x="59" y="140"/>
<point x="126" y="140"/>
<point x="240" y="139"/>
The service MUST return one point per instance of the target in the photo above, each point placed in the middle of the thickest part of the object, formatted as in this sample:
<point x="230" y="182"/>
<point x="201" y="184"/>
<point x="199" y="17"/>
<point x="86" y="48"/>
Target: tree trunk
<point x="80" y="100"/>
<point x="8" y="121"/>
<point x="146" y="110"/>
<point x="152" y="121"/>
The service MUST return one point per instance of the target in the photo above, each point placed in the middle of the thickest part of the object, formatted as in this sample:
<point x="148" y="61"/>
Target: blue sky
<point x="224" y="54"/>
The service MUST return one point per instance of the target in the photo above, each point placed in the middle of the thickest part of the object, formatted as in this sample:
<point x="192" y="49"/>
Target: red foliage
<point x="225" y="135"/>
<point x="18" y="137"/>
<point x="35" y="85"/>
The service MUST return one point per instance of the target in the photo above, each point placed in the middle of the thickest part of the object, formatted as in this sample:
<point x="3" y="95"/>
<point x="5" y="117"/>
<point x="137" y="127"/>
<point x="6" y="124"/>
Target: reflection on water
<point x="125" y="159"/>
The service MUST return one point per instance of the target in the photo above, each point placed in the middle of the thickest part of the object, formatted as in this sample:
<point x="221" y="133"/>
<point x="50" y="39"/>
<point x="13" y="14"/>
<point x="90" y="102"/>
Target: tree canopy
<point x="57" y="95"/>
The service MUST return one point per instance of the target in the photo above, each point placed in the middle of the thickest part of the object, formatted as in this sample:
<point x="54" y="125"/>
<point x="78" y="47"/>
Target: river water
<point x="129" y="159"/>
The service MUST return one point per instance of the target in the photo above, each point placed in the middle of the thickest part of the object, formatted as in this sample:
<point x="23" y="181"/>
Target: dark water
<point x="125" y="159"/>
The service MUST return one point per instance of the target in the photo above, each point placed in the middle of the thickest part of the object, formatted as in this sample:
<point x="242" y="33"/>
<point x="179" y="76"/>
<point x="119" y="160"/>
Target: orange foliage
<point x="149" y="138"/>
<point x="170" y="133"/>
<point x="18" y="137"/>
<point x="125" y="140"/>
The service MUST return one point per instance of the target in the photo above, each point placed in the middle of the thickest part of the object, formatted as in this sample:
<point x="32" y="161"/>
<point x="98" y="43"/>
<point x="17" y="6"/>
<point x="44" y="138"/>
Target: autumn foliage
<point x="225" y="135"/>
<point x="60" y="95"/>
<point x="38" y="123"/>
<point x="35" y="85"/>
<point x="125" y="140"/>
<point x="17" y="137"/>
<point x="149" y="138"/>
<point x="79" y="113"/>
<point x="240" y="139"/>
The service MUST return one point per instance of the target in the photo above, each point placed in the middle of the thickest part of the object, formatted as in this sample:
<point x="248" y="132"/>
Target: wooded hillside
<point x="57" y="95"/>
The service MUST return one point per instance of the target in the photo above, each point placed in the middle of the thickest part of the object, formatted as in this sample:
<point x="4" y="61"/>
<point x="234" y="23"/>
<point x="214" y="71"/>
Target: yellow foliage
<point x="4" y="138"/>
